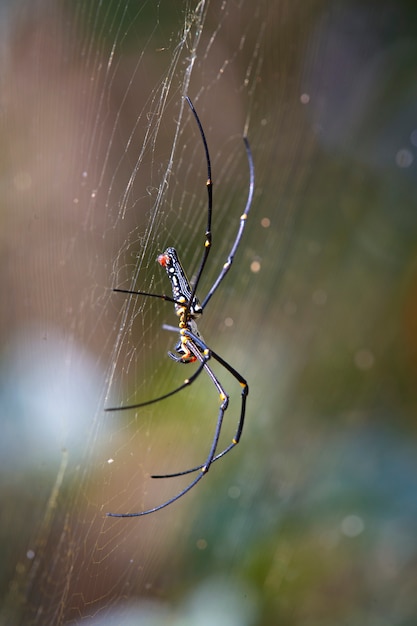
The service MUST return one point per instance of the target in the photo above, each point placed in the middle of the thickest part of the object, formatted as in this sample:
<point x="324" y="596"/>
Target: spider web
<point x="105" y="168"/>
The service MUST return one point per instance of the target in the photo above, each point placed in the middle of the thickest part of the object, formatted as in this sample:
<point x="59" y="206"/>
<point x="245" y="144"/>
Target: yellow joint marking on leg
<point x="227" y="264"/>
<point x="243" y="385"/>
<point x="244" y="216"/>
<point x="187" y="381"/>
<point x="208" y="182"/>
<point x="234" y="441"/>
<point x="207" y="243"/>
<point x="222" y="396"/>
<point x="206" y="352"/>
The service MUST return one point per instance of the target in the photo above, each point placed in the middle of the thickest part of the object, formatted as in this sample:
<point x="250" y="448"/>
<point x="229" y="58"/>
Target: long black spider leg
<point x="187" y="382"/>
<point x="226" y="267"/>
<point x="245" y="390"/>
<point x="209" y="184"/>
<point x="161" y="506"/>
<point x="204" y="469"/>
<point x="149" y="295"/>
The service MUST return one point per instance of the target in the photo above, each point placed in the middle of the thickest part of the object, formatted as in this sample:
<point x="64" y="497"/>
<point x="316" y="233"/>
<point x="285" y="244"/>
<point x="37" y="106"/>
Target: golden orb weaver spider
<point x="191" y="346"/>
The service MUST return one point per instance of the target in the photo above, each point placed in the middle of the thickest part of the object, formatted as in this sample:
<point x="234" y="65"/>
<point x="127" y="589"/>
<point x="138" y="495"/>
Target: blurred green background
<point x="312" y="519"/>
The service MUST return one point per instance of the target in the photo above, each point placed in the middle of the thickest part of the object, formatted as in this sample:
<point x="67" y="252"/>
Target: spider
<point x="191" y="346"/>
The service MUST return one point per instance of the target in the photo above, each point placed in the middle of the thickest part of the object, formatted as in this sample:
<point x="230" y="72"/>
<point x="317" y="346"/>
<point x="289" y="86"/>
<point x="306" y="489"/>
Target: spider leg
<point x="245" y="390"/>
<point x="187" y="382"/>
<point x="209" y="184"/>
<point x="226" y="267"/>
<point x="162" y="506"/>
<point x="149" y="295"/>
<point x="203" y="358"/>
<point x="173" y="329"/>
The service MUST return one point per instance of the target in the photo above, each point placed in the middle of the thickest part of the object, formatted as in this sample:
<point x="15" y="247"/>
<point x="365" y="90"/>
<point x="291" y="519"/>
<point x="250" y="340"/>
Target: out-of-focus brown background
<point x="312" y="519"/>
